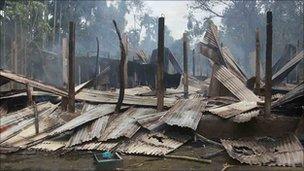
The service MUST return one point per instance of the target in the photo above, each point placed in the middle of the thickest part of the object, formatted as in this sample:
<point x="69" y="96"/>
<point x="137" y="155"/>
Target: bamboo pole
<point x="123" y="57"/>
<point x="96" y="64"/>
<point x="185" y="50"/>
<point x="71" y="68"/>
<point x="257" y="63"/>
<point x="160" y="87"/>
<point x="268" y="74"/>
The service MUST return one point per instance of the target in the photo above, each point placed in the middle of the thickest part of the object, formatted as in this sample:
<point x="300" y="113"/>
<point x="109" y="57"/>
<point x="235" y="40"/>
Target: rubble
<point x="141" y="127"/>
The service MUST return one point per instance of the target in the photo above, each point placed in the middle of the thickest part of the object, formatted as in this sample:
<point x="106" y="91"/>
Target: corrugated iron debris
<point x="286" y="151"/>
<point x="140" y="127"/>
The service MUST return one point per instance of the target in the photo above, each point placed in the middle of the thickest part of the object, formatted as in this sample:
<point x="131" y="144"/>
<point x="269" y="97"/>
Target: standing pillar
<point x="257" y="63"/>
<point x="71" y="66"/>
<point x="268" y="74"/>
<point x="185" y="50"/>
<point x="160" y="87"/>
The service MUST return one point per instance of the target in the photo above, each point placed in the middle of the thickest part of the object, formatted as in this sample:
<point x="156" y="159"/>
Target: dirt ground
<point x="34" y="160"/>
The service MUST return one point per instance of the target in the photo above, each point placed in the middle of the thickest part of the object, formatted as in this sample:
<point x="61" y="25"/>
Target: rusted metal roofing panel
<point x="233" y="109"/>
<point x="185" y="113"/>
<point x="12" y="131"/>
<point x="148" y="122"/>
<point x="234" y="85"/>
<point x="15" y="117"/>
<point x="111" y="98"/>
<point x="49" y="145"/>
<point x="232" y="65"/>
<point x="88" y="116"/>
<point x="246" y="116"/>
<point x="283" y="72"/>
<point x="28" y="135"/>
<point x="32" y="83"/>
<point x="100" y="146"/>
<point x="286" y="151"/>
<point x="153" y="144"/>
<point x="3" y="110"/>
<point x="124" y="125"/>
<point x="89" y="132"/>
<point x="297" y="92"/>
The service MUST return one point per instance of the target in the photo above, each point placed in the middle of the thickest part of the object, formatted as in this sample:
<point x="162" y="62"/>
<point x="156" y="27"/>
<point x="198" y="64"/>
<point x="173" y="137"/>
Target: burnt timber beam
<point x="71" y="68"/>
<point x="160" y="87"/>
<point x="185" y="73"/>
<point x="123" y="57"/>
<point x="33" y="83"/>
<point x="268" y="73"/>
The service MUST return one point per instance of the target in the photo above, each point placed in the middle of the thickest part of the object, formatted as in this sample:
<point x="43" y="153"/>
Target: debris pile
<point x="140" y="129"/>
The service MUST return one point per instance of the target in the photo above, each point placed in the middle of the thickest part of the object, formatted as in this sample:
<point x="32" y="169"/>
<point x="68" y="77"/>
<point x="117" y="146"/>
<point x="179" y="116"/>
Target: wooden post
<point x="193" y="62"/>
<point x="121" y="70"/>
<point x="71" y="66"/>
<point x="185" y="50"/>
<point x="125" y="41"/>
<point x="29" y="91"/>
<point x="96" y="64"/>
<point x="64" y="51"/>
<point x="268" y="73"/>
<point x="54" y="24"/>
<point x="36" y="118"/>
<point x="160" y="87"/>
<point x="257" y="63"/>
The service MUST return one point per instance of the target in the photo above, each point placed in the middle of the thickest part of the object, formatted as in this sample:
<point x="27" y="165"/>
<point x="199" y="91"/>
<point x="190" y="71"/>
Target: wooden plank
<point x="160" y="87"/>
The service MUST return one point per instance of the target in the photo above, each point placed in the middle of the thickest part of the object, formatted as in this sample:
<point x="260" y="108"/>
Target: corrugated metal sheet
<point x="3" y="110"/>
<point x="233" y="109"/>
<point x="246" y="116"/>
<point x="286" y="151"/>
<point x="232" y="65"/>
<point x="185" y="113"/>
<point x="290" y="96"/>
<point x="89" y="132"/>
<point x="234" y="85"/>
<point x="153" y="144"/>
<point x="49" y="145"/>
<point x="16" y="117"/>
<point x="124" y="125"/>
<point x="283" y="72"/>
<point x="111" y="97"/>
<point x="28" y="135"/>
<point x="151" y="120"/>
<point x="12" y="131"/>
<point x="88" y="116"/>
<point x="100" y="146"/>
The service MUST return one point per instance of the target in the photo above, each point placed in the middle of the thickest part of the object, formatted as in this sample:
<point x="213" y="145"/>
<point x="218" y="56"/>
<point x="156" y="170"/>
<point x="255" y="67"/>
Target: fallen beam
<point x="33" y="83"/>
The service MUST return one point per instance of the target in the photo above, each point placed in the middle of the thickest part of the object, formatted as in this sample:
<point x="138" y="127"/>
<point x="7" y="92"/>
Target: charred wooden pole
<point x="268" y="73"/>
<point x="71" y="66"/>
<point x="193" y="62"/>
<point x="257" y="63"/>
<point x="29" y="91"/>
<point x="160" y="87"/>
<point x="185" y="51"/>
<point x="123" y="58"/>
<point x="36" y="118"/>
<point x="96" y="64"/>
<point x="64" y="53"/>
<point x="125" y="41"/>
